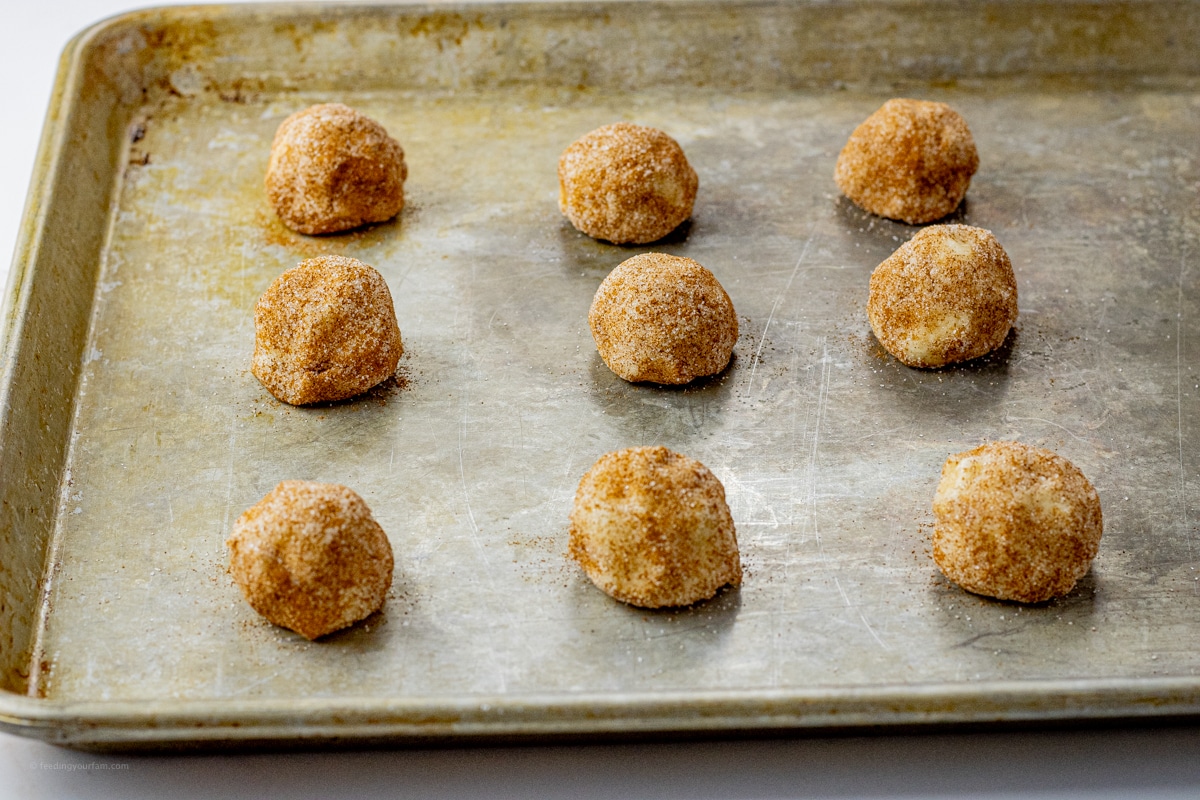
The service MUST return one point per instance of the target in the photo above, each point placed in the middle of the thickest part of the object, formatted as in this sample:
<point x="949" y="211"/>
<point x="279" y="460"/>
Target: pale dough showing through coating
<point x="626" y="184"/>
<point x="332" y="169"/>
<point x="911" y="160"/>
<point x="664" y="319"/>
<point x="651" y="528"/>
<point x="947" y="295"/>
<point x="1015" y="522"/>
<point x="325" y="330"/>
<point x="311" y="558"/>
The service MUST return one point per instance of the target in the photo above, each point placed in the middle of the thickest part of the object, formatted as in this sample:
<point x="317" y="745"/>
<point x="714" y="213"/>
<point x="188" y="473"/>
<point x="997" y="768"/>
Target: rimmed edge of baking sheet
<point x="133" y="725"/>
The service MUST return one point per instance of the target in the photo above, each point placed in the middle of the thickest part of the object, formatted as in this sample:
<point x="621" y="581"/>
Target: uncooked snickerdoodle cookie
<point x="911" y="160"/>
<point x="333" y="169"/>
<point x="651" y="528"/>
<point x="311" y="558"/>
<point x="1015" y="522"/>
<point x="626" y="183"/>
<point x="664" y="319"/>
<point x="325" y="330"/>
<point x="946" y="295"/>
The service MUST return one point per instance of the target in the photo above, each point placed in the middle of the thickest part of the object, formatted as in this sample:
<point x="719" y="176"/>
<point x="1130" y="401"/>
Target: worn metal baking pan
<point x="133" y="433"/>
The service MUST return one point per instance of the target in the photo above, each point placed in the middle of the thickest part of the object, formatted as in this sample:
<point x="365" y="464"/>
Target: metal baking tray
<point x="133" y="433"/>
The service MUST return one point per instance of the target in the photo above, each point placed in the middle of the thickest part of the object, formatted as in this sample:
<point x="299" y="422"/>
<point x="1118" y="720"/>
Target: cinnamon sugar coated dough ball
<point x="947" y="295"/>
<point x="311" y="558"/>
<point x="651" y="528"/>
<point x="911" y="160"/>
<point x="626" y="184"/>
<point x="325" y="330"/>
<point x="1015" y="522"/>
<point x="664" y="319"/>
<point x="333" y="169"/>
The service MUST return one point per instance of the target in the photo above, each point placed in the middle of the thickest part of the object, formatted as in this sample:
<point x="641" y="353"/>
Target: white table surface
<point x="1156" y="762"/>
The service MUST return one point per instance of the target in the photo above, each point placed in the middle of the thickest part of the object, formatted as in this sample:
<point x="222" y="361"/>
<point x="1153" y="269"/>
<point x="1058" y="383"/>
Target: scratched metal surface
<point x="829" y="450"/>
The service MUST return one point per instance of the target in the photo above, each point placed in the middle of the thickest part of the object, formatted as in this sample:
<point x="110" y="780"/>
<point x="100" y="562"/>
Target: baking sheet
<point x="829" y="449"/>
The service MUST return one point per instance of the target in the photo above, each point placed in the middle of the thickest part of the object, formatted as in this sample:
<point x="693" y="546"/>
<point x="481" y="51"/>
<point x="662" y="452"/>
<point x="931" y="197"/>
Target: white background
<point x="1155" y="762"/>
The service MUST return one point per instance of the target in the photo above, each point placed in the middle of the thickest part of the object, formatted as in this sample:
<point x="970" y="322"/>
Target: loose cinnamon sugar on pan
<point x="651" y="528"/>
<point x="664" y="319"/>
<point x="325" y="330"/>
<point x="947" y="295"/>
<point x="333" y="169"/>
<point x="626" y="183"/>
<point x="1015" y="522"/>
<point x="310" y="557"/>
<point x="911" y="160"/>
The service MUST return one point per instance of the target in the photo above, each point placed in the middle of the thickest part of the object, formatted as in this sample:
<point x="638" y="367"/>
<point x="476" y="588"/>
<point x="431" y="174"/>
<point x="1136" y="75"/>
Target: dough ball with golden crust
<point x="651" y="528"/>
<point x="333" y="169"/>
<point x="325" y="330"/>
<point x="1015" y="522"/>
<point x="626" y="184"/>
<point x="947" y="295"/>
<point x="311" y="558"/>
<point x="664" y="319"/>
<point x="911" y="160"/>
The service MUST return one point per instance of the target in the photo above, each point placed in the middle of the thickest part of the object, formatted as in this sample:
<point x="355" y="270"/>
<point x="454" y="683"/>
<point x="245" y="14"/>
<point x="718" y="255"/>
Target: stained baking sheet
<point x="123" y="627"/>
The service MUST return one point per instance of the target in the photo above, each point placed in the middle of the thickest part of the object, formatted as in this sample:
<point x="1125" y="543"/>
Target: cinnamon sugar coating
<point x="911" y="160"/>
<point x="325" y="330"/>
<point x="626" y="183"/>
<point x="311" y="558"/>
<point x="947" y="295"/>
<point x="1015" y="522"/>
<point x="333" y="169"/>
<point x="664" y="319"/>
<point x="651" y="528"/>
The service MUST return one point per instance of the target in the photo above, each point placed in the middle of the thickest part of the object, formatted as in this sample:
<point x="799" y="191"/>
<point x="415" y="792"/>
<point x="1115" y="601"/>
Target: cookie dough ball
<point x="664" y="319"/>
<point x="651" y="528"/>
<point x="311" y="558"/>
<point x="325" y="330"/>
<point x="333" y="169"/>
<point x="946" y="295"/>
<point x="911" y="160"/>
<point x="626" y="184"/>
<point x="1015" y="522"/>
